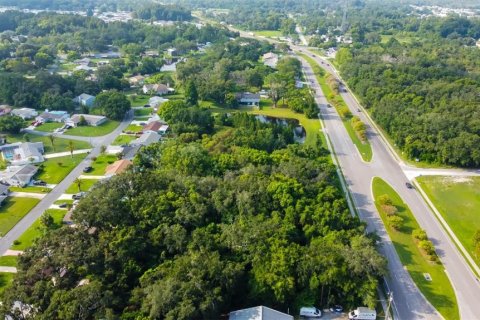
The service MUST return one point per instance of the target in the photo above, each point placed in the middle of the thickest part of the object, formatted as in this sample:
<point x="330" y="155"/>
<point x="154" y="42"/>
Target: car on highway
<point x="408" y="185"/>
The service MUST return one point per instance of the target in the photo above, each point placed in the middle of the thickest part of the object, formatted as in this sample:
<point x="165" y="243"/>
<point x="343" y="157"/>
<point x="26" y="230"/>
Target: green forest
<point x="200" y="227"/>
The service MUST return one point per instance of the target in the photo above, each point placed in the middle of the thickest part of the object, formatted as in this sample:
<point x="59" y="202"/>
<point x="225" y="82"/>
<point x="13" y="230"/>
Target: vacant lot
<point x="13" y="210"/>
<point x="100" y="163"/>
<point x="90" y="131"/>
<point x="37" y="229"/>
<point x="439" y="291"/>
<point x="85" y="185"/>
<point x="54" y="170"/>
<point x="123" y="139"/>
<point x="458" y="201"/>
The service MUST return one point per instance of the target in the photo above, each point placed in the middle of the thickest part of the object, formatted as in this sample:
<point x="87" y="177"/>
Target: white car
<point x="310" y="312"/>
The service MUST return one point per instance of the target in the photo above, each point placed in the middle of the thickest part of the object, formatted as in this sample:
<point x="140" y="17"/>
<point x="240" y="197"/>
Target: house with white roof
<point x="18" y="176"/>
<point x="53" y="116"/>
<point x="159" y="89"/>
<point x="22" y="152"/>
<point x="270" y="59"/>
<point x="258" y="313"/>
<point x="146" y="139"/>
<point x="85" y="100"/>
<point x="156" y="101"/>
<point x="25" y="113"/>
<point x="90" y="119"/>
<point x="249" y="99"/>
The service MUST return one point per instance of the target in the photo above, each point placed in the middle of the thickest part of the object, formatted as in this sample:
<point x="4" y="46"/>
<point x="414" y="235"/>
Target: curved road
<point x="50" y="198"/>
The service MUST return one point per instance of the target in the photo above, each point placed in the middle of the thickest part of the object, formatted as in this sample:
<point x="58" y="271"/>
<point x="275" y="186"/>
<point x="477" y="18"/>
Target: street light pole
<point x="390" y="300"/>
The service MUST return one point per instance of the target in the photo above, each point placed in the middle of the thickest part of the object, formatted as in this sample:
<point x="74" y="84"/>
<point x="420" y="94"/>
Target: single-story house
<point x="85" y="100"/>
<point x="4" y="110"/>
<point x="92" y="120"/>
<point x="163" y="129"/>
<point x="156" y="101"/>
<point x="258" y="313"/>
<point x="19" y="176"/>
<point x="153" y="126"/>
<point x="146" y="139"/>
<point x="20" y="153"/>
<point x="117" y="167"/>
<point x="53" y="116"/>
<point x="159" y="89"/>
<point x="169" y="67"/>
<point x="270" y="59"/>
<point x="85" y="68"/>
<point x="25" y="113"/>
<point x="138" y="80"/>
<point x="249" y="99"/>
<point x="83" y="61"/>
<point x="4" y="190"/>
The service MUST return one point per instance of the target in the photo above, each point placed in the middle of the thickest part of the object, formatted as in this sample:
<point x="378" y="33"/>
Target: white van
<point x="310" y="312"/>
<point x="362" y="313"/>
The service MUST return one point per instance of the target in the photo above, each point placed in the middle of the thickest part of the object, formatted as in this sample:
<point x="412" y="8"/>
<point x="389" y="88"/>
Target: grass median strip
<point x="458" y="201"/>
<point x="364" y="147"/>
<point x="438" y="290"/>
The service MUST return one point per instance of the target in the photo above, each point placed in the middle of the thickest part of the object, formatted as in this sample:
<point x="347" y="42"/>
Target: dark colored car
<point x="79" y="195"/>
<point x="336" y="308"/>
<point x="409" y="185"/>
<point x="62" y="205"/>
<point x="39" y="183"/>
<point x="87" y="169"/>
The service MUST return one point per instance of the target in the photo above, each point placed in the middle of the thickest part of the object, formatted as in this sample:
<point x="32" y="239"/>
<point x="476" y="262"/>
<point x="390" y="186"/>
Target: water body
<point x="299" y="132"/>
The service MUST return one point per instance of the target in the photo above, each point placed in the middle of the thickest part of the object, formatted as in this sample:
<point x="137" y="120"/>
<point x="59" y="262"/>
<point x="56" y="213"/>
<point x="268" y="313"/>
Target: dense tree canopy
<point x="196" y="229"/>
<point x="113" y="104"/>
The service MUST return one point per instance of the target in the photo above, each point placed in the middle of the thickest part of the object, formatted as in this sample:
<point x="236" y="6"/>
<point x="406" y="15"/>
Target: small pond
<point x="299" y="132"/>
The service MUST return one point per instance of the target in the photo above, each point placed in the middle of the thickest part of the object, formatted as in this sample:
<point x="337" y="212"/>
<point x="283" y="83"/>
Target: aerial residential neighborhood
<point x="241" y="160"/>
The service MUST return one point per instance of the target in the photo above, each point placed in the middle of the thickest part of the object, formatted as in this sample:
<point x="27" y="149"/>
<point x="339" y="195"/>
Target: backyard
<point x="54" y="170"/>
<point x="458" y="201"/>
<point x="438" y="290"/>
<point x="13" y="210"/>
<point x="92" y="131"/>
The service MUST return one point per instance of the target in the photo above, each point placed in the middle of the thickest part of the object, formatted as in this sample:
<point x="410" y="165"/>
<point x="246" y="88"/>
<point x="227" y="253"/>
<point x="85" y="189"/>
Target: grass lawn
<point x="268" y="33"/>
<point x="49" y="127"/>
<point x="90" y="131"/>
<point x="36" y="230"/>
<point x="32" y="189"/>
<point x="404" y="39"/>
<point x="54" y="170"/>
<point x="60" y="144"/>
<point x="458" y="201"/>
<point x="85" y="186"/>
<point x="142" y="112"/>
<point x="364" y="148"/>
<point x="123" y="139"/>
<point x="5" y="280"/>
<point x="138" y="100"/>
<point x="8" y="261"/>
<point x="133" y="128"/>
<point x="439" y="291"/>
<point x="67" y="201"/>
<point x="101" y="163"/>
<point x="13" y="210"/>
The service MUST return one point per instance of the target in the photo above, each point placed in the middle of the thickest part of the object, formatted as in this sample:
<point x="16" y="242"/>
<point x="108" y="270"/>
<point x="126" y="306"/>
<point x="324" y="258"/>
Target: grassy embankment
<point x="439" y="290"/>
<point x="458" y="201"/>
<point x="364" y="147"/>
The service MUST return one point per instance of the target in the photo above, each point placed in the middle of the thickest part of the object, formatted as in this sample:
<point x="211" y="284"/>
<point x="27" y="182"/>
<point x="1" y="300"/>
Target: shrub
<point x="16" y="243"/>
<point x="419" y="234"/>
<point x="384" y="199"/>
<point x="389" y="209"/>
<point x="427" y="247"/>
<point x="395" y="222"/>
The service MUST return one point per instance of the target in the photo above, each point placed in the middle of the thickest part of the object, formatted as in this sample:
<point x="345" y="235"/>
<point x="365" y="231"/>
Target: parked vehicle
<point x="62" y="205"/>
<point x="329" y="105"/>
<point x="87" y="169"/>
<point x="79" y="195"/>
<point x="310" y="312"/>
<point x="336" y="308"/>
<point x="362" y="313"/>
<point x="39" y="183"/>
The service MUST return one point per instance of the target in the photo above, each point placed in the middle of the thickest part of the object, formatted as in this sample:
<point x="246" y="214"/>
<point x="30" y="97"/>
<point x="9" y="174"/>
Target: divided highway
<point x="409" y="302"/>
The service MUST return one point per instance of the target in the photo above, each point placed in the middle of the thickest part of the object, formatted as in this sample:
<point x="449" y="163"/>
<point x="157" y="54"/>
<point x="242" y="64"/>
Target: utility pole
<point x="390" y="300"/>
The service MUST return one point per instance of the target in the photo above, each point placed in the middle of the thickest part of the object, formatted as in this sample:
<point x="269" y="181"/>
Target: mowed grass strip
<point x="91" y="131"/>
<point x="439" y="291"/>
<point x="31" y="189"/>
<point x="54" y="170"/>
<point x="37" y="229"/>
<point x="13" y="209"/>
<point x="85" y="185"/>
<point x="364" y="147"/>
<point x="8" y="261"/>
<point x="458" y="201"/>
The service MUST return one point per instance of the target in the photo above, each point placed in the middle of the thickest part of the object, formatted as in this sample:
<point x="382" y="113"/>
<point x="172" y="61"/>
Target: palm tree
<point x="52" y="139"/>
<point x="78" y="182"/>
<point x="71" y="146"/>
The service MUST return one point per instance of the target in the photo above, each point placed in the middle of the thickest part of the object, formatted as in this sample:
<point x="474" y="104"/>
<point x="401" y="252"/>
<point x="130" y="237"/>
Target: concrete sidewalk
<point x="64" y="154"/>
<point x="8" y="269"/>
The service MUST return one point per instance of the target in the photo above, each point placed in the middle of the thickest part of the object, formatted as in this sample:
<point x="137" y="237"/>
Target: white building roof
<point x="259" y="313"/>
